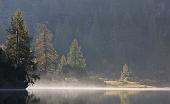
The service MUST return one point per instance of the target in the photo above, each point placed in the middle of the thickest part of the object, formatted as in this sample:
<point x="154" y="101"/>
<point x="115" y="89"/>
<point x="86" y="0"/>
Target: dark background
<point x="110" y="32"/>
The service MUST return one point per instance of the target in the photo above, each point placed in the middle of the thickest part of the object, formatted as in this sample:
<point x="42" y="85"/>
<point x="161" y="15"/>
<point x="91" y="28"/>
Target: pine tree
<point x="45" y="53"/>
<point x="75" y="57"/>
<point x="18" y="49"/>
<point x="63" y="62"/>
<point x="125" y="73"/>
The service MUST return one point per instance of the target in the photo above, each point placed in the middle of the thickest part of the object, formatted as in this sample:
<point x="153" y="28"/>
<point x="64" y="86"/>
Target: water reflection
<point x="83" y="97"/>
<point x="124" y="99"/>
<point x="123" y="95"/>
<point x="17" y="97"/>
<point x="32" y="99"/>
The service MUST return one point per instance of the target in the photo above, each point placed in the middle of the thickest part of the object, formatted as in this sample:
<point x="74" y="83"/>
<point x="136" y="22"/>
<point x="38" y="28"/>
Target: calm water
<point x="84" y="97"/>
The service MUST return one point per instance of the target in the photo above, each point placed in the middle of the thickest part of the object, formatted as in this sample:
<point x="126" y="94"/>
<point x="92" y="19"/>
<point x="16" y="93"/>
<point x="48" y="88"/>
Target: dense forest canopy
<point x="111" y="32"/>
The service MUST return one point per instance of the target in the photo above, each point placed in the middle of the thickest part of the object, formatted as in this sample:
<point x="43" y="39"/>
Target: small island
<point x="125" y="80"/>
<point x="127" y="84"/>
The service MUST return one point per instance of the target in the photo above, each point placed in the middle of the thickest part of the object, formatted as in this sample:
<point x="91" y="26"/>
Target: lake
<point x="84" y="97"/>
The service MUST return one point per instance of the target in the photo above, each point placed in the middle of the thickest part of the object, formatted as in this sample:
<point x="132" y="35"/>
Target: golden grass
<point x="127" y="84"/>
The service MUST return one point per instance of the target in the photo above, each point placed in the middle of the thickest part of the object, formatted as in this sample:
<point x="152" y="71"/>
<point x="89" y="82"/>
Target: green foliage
<point x="63" y="60"/>
<point x="62" y="64"/>
<point x="125" y="73"/>
<point x="75" y="57"/>
<point x="18" y="48"/>
<point x="18" y="39"/>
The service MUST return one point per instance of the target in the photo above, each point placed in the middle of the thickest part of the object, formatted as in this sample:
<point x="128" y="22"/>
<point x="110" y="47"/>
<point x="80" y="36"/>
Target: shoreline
<point x="100" y="88"/>
<point x="90" y="88"/>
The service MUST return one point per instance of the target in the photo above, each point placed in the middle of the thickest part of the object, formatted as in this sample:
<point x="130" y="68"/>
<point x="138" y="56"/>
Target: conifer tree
<point x="75" y="57"/>
<point x="125" y="73"/>
<point x="45" y="53"/>
<point x="63" y="62"/>
<point x="19" y="50"/>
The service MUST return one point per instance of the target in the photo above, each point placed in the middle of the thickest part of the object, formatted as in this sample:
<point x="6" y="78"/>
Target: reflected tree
<point x="32" y="99"/>
<point x="124" y="98"/>
<point x="18" y="97"/>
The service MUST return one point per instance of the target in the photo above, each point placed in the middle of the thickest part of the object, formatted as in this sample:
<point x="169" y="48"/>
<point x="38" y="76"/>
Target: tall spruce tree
<point x="75" y="57"/>
<point x="45" y="53"/>
<point x="19" y="50"/>
<point x="125" y="73"/>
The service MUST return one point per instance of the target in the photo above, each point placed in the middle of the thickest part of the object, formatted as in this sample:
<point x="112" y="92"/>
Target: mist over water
<point x="60" y="84"/>
<point x="83" y="86"/>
